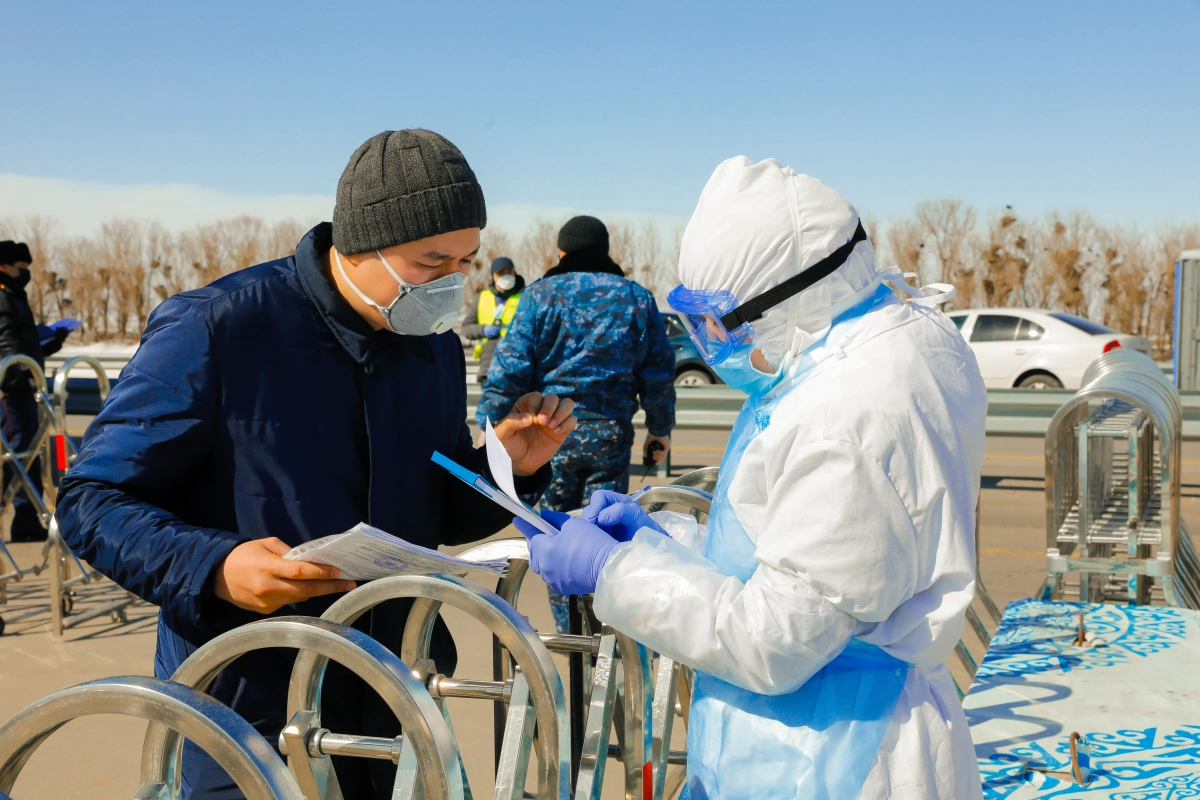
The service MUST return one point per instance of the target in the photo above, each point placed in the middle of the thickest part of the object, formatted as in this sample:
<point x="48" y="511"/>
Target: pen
<point x="633" y="497"/>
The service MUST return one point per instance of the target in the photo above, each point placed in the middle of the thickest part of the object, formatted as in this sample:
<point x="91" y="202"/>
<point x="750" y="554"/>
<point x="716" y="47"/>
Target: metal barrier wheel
<point x="537" y="678"/>
<point x="250" y="761"/>
<point x="425" y="752"/>
<point x="647" y="704"/>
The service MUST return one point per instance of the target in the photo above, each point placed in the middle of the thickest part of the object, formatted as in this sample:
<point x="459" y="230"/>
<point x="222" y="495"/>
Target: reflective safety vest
<point x="489" y="314"/>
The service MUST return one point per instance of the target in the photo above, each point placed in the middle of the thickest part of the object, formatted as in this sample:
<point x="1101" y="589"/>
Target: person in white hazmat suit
<point x="819" y="606"/>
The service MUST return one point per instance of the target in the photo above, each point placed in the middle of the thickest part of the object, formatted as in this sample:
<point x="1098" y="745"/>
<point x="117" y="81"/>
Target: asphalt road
<point x="98" y="757"/>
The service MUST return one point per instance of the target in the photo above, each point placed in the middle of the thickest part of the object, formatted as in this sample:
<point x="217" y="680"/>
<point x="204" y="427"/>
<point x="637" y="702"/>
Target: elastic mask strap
<point x="405" y="286"/>
<point x="337" y="256"/>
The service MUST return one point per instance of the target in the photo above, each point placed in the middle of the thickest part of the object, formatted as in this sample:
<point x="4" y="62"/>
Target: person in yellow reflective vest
<point x="494" y="313"/>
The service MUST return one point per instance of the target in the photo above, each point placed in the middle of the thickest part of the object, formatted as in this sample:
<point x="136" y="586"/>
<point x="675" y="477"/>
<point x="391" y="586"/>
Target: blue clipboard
<point x="476" y="481"/>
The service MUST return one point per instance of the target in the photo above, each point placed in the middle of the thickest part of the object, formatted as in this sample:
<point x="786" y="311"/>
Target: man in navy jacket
<point x="278" y="405"/>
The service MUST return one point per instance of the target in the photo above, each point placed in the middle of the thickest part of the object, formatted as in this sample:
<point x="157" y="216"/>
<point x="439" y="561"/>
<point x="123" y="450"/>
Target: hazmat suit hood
<point x="755" y="226"/>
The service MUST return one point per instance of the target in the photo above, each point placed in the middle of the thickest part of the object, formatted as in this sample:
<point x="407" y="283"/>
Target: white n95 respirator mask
<point x="506" y="282"/>
<point x="419" y="310"/>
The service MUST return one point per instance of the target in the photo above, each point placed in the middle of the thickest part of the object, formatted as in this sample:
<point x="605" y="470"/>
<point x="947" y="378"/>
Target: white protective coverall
<point x="858" y="495"/>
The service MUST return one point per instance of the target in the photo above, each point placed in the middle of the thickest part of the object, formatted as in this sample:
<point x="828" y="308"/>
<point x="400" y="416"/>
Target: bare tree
<point x="1127" y="281"/>
<point x="948" y="225"/>
<point x="538" y="249"/>
<point x="906" y="241"/>
<point x="1170" y="239"/>
<point x="1006" y="260"/>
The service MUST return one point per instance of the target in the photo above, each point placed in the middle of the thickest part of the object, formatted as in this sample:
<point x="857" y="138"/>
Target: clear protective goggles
<point x="701" y="311"/>
<point x="719" y="326"/>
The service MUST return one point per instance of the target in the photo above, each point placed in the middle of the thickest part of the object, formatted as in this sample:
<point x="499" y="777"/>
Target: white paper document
<point x="500" y="463"/>
<point x="364" y="553"/>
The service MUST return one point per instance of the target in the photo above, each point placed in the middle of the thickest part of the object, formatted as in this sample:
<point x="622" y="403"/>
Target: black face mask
<point x="20" y="282"/>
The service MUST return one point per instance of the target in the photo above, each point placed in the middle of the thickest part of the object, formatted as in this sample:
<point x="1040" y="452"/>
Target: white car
<point x="1029" y="348"/>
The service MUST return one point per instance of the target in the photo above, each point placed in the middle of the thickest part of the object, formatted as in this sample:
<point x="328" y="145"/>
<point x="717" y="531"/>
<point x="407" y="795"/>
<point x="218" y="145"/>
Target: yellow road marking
<point x="1004" y="551"/>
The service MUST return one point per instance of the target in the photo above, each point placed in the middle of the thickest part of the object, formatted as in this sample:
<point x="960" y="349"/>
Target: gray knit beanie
<point x="401" y="186"/>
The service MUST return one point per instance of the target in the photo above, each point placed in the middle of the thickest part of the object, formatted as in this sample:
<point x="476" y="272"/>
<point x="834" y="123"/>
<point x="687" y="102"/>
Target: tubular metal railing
<point x="426" y="755"/>
<point x="1113" y="463"/>
<point x="244" y="755"/>
<point x="55" y="452"/>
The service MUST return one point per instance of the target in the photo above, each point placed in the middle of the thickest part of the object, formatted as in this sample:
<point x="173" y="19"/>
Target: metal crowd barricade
<point x="62" y="613"/>
<point x="426" y="756"/>
<point x="534" y="693"/>
<point x="1113" y="463"/>
<point x="248" y="759"/>
<point x="974" y="623"/>
<point x="615" y="683"/>
<point x="19" y="464"/>
<point x="57" y="452"/>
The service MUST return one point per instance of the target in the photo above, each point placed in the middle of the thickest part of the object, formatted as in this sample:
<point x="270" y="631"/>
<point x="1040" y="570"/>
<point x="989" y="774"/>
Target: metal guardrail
<point x="1011" y="412"/>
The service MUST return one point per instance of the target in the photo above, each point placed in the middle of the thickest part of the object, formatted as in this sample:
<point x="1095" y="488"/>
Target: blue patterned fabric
<point x="1128" y="693"/>
<point x="593" y="337"/>
<point x="595" y="456"/>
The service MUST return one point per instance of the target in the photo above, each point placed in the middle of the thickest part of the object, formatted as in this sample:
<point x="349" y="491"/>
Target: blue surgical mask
<point x="737" y="371"/>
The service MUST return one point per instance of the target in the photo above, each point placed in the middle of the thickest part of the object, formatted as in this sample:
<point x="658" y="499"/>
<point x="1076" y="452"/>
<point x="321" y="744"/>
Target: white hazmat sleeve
<point x="769" y="635"/>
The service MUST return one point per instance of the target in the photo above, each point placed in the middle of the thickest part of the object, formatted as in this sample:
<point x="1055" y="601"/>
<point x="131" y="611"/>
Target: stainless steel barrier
<point x="534" y="692"/>
<point x="625" y="691"/>
<point x="57" y="452"/>
<point x="248" y="759"/>
<point x="425" y="754"/>
<point x="19" y="463"/>
<point x="1113" y="461"/>
<point x="974" y="623"/>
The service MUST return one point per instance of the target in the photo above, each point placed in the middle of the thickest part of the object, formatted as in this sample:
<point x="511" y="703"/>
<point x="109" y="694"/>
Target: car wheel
<point x="1040" y="380"/>
<point x="693" y="377"/>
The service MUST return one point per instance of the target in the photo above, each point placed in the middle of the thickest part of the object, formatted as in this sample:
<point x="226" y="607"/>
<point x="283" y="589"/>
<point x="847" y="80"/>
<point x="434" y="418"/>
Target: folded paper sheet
<point x="364" y="553"/>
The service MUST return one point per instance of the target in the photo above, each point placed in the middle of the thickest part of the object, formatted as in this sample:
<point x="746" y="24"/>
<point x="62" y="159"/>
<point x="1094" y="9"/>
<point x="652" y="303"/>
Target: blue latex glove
<point x="569" y="561"/>
<point x="66" y="324"/>
<point x="615" y="515"/>
<point x="491" y="331"/>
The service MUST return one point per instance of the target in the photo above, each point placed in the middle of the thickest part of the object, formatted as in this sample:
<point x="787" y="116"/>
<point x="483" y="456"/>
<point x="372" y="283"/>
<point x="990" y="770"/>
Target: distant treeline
<point x="1121" y="276"/>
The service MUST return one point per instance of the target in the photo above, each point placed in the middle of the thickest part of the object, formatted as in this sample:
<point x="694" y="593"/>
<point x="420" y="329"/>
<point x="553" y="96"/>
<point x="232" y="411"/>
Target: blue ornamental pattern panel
<point x="1035" y="636"/>
<point x="1132" y="692"/>
<point x="1125" y="765"/>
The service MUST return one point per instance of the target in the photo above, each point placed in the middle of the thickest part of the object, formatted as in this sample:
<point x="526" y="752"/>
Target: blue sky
<point x="622" y="106"/>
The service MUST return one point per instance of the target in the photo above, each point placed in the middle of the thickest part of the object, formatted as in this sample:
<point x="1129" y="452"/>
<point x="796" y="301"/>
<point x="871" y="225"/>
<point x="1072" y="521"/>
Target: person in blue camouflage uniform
<point x="587" y="332"/>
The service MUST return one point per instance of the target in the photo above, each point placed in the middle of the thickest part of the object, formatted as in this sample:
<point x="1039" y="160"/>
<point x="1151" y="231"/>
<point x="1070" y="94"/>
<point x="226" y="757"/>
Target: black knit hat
<point x="21" y="254"/>
<point x="583" y="233"/>
<point x="8" y="252"/>
<point x="401" y="186"/>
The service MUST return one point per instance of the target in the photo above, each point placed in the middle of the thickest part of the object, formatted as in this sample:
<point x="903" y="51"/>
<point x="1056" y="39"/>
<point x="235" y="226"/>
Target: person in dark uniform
<point x="18" y="406"/>
<point x="586" y="331"/>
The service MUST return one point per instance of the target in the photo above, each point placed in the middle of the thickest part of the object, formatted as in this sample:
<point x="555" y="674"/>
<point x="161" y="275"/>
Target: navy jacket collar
<point x="347" y="326"/>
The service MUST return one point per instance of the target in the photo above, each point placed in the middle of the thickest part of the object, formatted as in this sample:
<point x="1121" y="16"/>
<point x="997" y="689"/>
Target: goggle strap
<point x="755" y="307"/>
